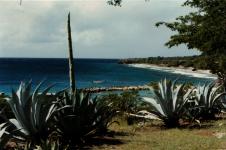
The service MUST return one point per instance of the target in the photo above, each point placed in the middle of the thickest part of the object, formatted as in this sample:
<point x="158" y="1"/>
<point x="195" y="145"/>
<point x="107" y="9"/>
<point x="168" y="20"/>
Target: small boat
<point x="98" y="81"/>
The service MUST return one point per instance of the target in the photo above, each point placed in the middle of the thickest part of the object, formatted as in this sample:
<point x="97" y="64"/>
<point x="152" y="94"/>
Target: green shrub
<point x="125" y="102"/>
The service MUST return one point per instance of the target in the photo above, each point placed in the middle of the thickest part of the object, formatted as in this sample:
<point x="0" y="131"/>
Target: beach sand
<point x="178" y="70"/>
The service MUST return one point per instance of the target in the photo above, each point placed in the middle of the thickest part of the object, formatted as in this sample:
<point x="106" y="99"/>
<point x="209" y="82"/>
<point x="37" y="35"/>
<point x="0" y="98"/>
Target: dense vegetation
<point x="196" y="62"/>
<point x="69" y="120"/>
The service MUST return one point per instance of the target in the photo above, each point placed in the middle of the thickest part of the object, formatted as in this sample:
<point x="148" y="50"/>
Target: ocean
<point x="88" y="73"/>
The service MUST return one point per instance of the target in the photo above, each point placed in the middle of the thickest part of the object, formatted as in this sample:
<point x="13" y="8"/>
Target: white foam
<point x="187" y="72"/>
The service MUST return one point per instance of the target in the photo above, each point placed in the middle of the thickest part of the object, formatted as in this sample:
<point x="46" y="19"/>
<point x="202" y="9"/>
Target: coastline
<point x="189" y="71"/>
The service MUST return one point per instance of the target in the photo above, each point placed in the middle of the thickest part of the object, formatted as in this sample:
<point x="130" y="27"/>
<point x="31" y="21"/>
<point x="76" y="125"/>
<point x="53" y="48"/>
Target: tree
<point x="204" y="30"/>
<point x="114" y="2"/>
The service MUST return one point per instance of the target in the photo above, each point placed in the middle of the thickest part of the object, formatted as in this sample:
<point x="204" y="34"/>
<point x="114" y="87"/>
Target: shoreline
<point x="189" y="71"/>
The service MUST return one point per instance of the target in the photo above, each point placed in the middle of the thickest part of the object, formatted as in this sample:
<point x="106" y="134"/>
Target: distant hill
<point x="197" y="62"/>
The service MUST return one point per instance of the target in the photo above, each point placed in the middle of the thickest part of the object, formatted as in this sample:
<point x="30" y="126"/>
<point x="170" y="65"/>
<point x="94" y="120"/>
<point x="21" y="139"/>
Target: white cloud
<point x="38" y="28"/>
<point x="90" y="37"/>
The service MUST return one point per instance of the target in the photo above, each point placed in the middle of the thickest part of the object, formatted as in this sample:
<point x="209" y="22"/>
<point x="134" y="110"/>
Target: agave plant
<point x="169" y="102"/>
<point x="79" y="116"/>
<point x="32" y="111"/>
<point x="3" y="136"/>
<point x="8" y="131"/>
<point x="209" y="100"/>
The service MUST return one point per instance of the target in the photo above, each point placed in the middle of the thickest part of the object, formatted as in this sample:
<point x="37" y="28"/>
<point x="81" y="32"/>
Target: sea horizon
<point x="89" y="73"/>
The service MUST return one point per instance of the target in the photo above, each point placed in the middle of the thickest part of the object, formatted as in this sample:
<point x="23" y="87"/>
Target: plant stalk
<point x="71" y="63"/>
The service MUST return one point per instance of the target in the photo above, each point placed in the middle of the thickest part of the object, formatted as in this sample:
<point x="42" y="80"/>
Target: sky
<point x="37" y="28"/>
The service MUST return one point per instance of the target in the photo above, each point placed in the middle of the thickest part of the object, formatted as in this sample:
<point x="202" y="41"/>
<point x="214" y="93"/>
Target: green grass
<point x="155" y="137"/>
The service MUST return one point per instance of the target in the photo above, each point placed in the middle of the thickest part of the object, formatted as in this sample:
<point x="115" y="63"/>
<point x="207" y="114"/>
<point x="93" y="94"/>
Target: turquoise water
<point x="88" y="73"/>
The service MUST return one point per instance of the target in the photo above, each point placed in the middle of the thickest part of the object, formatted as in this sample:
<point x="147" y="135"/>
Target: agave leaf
<point x="206" y="94"/>
<point x="24" y="93"/>
<point x="18" y="126"/>
<point x="184" y="101"/>
<point x="199" y="92"/>
<point x="176" y="95"/>
<point x="161" y="101"/>
<point x="161" y="89"/>
<point x="212" y="94"/>
<point x="30" y="110"/>
<point x="18" y="110"/>
<point x="67" y="99"/>
<point x="85" y="100"/>
<point x="169" y="101"/>
<point x="156" y="115"/>
<point x="2" y="125"/>
<point x="208" y="90"/>
<point x="40" y="102"/>
<point x="64" y="107"/>
<point x="165" y="88"/>
<point x="217" y="97"/>
<point x="188" y="93"/>
<point x="3" y="138"/>
<point x="33" y="106"/>
<point x="2" y="131"/>
<point x="156" y="105"/>
<point x="52" y="110"/>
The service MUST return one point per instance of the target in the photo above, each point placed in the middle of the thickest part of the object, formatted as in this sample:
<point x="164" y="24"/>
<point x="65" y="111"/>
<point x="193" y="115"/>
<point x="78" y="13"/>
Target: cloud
<point x="38" y="28"/>
<point x="90" y="37"/>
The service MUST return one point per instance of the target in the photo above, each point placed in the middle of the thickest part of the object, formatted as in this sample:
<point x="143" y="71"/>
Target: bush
<point x="125" y="102"/>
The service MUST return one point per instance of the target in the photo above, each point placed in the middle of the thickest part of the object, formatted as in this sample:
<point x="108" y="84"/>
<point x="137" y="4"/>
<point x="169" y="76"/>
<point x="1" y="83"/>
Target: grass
<point x="153" y="136"/>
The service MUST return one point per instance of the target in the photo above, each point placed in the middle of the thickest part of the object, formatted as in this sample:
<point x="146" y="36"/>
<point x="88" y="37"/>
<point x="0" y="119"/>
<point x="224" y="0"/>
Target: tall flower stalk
<point x="71" y="63"/>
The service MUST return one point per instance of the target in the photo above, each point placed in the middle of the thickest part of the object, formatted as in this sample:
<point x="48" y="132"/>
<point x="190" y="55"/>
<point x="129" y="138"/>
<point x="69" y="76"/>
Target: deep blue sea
<point x="88" y="73"/>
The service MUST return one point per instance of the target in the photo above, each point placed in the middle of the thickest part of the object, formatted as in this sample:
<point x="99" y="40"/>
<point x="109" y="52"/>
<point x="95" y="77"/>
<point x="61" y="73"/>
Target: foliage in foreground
<point x="172" y="102"/>
<point x="169" y="102"/>
<point x="208" y="98"/>
<point x="69" y="119"/>
<point x="43" y="121"/>
<point x="4" y="138"/>
<point x="79" y="116"/>
<point x="5" y="109"/>
<point x="32" y="112"/>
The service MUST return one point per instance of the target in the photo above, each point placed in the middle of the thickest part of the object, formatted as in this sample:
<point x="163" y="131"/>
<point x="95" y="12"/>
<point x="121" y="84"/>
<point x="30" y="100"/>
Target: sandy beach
<point x="178" y="70"/>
